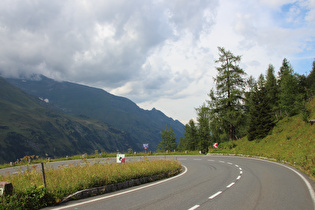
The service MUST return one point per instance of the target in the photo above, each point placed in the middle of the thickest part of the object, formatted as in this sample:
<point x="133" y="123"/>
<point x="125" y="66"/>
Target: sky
<point x="158" y="53"/>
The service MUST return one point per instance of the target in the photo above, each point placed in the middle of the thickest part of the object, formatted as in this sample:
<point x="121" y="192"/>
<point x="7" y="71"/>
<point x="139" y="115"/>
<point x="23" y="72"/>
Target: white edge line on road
<point x="124" y="192"/>
<point x="215" y="195"/>
<point x="238" y="177"/>
<point x="309" y="186"/>
<point x="194" y="207"/>
<point x="230" y="185"/>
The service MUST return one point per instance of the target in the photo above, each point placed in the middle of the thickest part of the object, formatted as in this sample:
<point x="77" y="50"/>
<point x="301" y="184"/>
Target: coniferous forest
<point x="239" y="105"/>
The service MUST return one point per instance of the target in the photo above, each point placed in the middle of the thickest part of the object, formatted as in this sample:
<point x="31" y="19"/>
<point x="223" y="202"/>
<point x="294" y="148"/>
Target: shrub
<point x="32" y="198"/>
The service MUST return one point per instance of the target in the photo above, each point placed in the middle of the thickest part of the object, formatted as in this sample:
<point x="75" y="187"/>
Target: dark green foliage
<point x="33" y="198"/>
<point x="226" y="102"/>
<point x="203" y="129"/>
<point x="260" y="115"/>
<point x="310" y="81"/>
<point x="234" y="113"/>
<point x="168" y="142"/>
<point x="191" y="136"/>
<point x="289" y="96"/>
<point x="272" y="90"/>
<point x="182" y="144"/>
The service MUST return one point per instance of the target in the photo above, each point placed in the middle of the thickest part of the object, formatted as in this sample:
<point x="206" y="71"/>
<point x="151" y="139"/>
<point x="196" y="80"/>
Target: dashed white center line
<point x="194" y="207"/>
<point x="215" y="195"/>
<point x="230" y="185"/>
<point x="219" y="192"/>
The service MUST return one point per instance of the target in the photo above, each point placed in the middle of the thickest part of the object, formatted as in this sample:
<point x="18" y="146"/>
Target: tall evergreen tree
<point x="310" y="81"/>
<point x="168" y="141"/>
<point x="226" y="102"/>
<point x="272" y="90"/>
<point x="182" y="144"/>
<point x="251" y="89"/>
<point x="191" y="136"/>
<point x="260" y="113"/>
<point x="203" y="129"/>
<point x="288" y="90"/>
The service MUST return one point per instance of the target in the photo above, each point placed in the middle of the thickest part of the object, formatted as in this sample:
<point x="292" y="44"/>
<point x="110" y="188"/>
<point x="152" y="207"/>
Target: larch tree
<point x="226" y="102"/>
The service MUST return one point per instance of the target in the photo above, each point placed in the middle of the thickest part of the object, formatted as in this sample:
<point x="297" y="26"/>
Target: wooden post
<point x="43" y="172"/>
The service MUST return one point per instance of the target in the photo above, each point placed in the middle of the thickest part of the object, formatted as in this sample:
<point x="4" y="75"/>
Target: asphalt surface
<point x="214" y="182"/>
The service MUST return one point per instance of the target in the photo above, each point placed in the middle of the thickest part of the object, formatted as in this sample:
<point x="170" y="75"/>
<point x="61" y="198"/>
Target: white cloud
<point x="157" y="53"/>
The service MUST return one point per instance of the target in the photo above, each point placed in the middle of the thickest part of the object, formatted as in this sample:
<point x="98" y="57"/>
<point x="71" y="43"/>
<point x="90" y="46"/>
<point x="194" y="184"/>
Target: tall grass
<point x="64" y="181"/>
<point x="27" y="160"/>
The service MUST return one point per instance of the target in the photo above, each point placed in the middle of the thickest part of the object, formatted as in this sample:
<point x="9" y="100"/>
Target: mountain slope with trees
<point x="243" y="107"/>
<point x="291" y="140"/>
<point x="121" y="113"/>
<point x="28" y="127"/>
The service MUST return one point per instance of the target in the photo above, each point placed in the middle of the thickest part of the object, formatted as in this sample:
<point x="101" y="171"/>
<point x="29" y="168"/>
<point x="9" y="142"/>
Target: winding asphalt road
<point x="214" y="182"/>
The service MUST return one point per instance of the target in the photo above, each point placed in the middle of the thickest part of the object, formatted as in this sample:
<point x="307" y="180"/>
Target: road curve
<point x="213" y="182"/>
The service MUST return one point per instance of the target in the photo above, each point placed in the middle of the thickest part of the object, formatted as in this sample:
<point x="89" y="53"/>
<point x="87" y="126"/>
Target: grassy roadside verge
<point x="29" y="192"/>
<point x="28" y="160"/>
<point x="292" y="141"/>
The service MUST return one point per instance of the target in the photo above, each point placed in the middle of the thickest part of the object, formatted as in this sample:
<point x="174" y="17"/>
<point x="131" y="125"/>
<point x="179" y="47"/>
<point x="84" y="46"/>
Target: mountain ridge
<point x="29" y="127"/>
<point x="119" y="112"/>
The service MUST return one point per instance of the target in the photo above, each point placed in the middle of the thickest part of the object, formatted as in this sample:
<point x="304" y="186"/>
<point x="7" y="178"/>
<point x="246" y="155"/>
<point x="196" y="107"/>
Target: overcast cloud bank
<point x="157" y="53"/>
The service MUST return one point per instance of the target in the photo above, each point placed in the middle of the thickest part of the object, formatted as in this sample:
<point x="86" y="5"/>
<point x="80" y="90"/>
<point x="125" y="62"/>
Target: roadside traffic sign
<point x="120" y="158"/>
<point x="145" y="146"/>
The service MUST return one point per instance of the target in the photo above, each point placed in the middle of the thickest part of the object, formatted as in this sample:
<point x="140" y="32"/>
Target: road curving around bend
<point x="213" y="182"/>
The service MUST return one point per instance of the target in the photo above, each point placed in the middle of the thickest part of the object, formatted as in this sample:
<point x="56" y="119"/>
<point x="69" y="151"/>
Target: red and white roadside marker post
<point x="145" y="147"/>
<point x="121" y="158"/>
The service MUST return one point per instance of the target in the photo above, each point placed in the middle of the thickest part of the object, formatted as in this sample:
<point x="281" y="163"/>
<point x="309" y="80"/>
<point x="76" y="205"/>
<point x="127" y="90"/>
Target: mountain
<point x="143" y="126"/>
<point x="29" y="127"/>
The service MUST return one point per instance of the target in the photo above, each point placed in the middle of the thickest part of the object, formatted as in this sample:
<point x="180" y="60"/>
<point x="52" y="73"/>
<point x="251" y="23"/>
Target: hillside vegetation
<point x="143" y="126"/>
<point x="27" y="128"/>
<point x="292" y="140"/>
